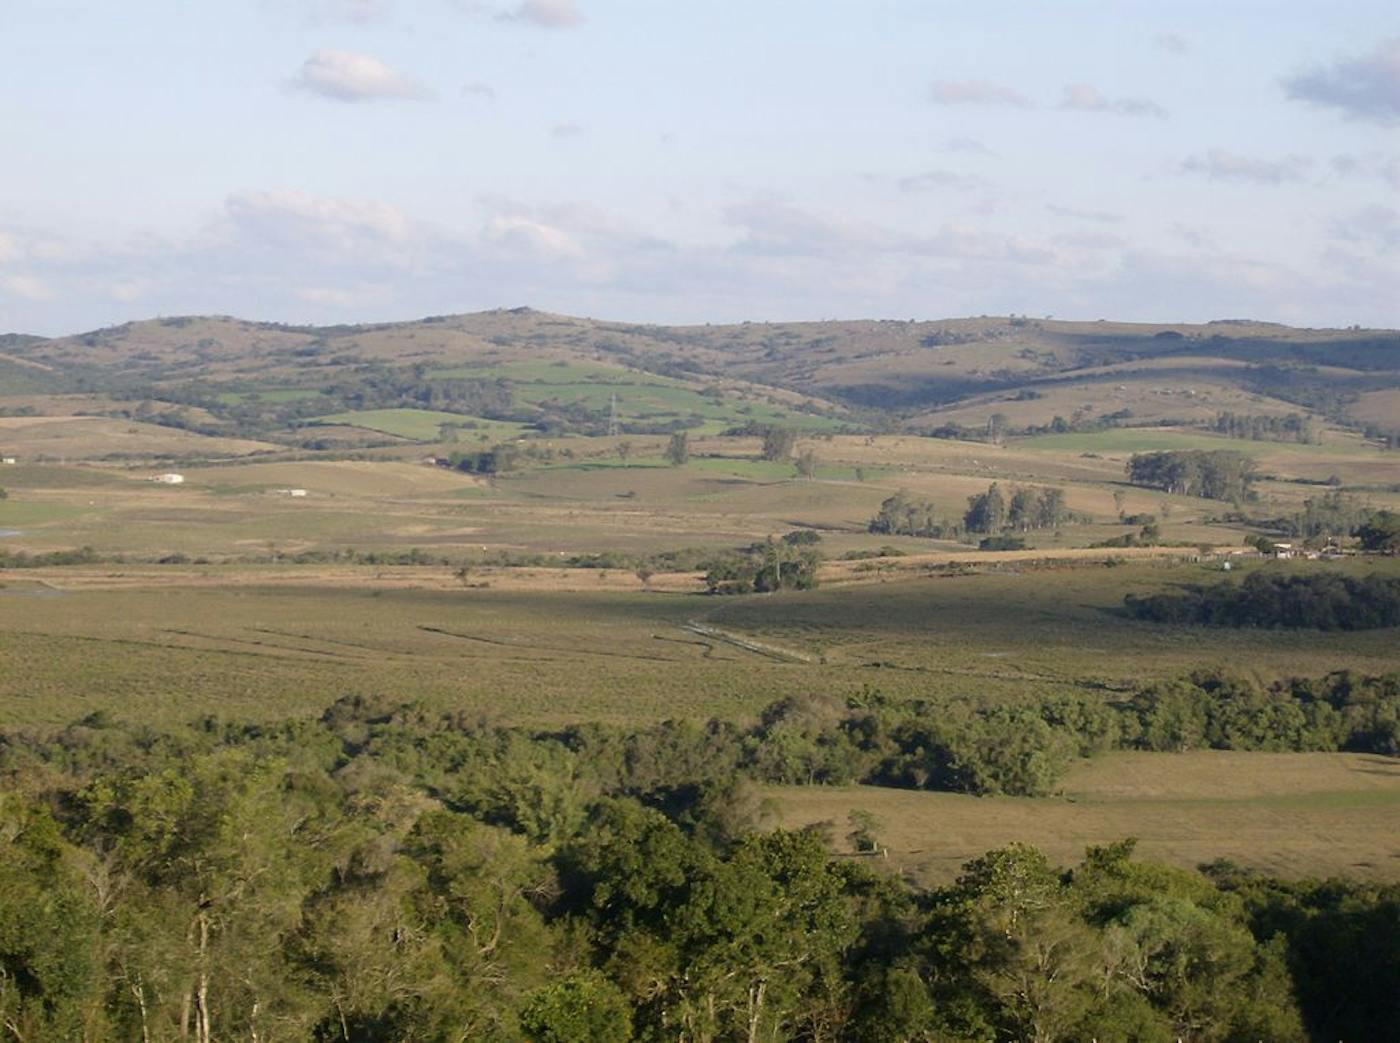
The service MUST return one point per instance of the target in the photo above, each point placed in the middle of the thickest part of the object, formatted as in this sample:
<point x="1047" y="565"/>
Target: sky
<point x="690" y="161"/>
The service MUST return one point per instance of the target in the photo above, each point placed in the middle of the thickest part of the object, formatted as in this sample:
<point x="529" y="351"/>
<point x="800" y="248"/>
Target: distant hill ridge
<point x="924" y="372"/>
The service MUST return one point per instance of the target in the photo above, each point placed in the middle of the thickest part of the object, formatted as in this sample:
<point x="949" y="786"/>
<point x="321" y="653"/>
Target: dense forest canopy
<point x="386" y="873"/>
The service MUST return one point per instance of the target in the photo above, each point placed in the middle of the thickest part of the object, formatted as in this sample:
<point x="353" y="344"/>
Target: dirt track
<point x="433" y="577"/>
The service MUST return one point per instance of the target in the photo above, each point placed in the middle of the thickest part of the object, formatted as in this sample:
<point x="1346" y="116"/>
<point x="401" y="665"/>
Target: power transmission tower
<point x="614" y="429"/>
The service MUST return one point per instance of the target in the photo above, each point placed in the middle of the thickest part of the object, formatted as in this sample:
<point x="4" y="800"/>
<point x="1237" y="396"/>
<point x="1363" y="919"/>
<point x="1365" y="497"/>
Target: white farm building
<point x="170" y="478"/>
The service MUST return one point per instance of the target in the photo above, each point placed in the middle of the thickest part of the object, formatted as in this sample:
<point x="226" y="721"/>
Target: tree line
<point x="992" y="512"/>
<point x="384" y="872"/>
<point x="1294" y="427"/>
<point x="1216" y="474"/>
<point x="1316" y="600"/>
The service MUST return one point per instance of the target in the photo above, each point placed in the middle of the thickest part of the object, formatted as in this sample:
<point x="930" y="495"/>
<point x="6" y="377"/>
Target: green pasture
<point x="421" y="425"/>
<point x="1151" y="439"/>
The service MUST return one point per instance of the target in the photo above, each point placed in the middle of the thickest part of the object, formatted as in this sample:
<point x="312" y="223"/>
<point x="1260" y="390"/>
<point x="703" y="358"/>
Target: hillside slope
<point x="921" y="374"/>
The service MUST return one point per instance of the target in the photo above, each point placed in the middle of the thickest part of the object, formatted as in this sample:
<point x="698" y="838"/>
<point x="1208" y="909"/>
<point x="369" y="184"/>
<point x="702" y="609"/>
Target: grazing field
<point x="423" y="425"/>
<point x="1287" y="814"/>
<point x="263" y="642"/>
<point x="323" y="553"/>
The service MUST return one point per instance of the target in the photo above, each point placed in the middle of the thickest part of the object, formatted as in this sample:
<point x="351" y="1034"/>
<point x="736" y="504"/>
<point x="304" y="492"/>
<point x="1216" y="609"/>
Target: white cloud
<point x="565" y="130"/>
<point x="1220" y="165"/>
<point x="477" y="89"/>
<point x="26" y="287"/>
<point x="1366" y="87"/>
<point x="1084" y="97"/>
<point x="976" y="92"/>
<point x="551" y="14"/>
<point x="352" y="77"/>
<point x="520" y="234"/>
<point x="280" y="219"/>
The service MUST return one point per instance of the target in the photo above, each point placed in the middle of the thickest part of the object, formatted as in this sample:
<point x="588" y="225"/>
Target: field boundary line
<point x="747" y="644"/>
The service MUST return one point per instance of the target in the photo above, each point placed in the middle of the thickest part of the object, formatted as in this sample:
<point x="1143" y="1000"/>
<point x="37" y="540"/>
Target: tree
<point x="582" y="1008"/>
<point x="624" y="450"/>
<point x="986" y="512"/>
<point x="778" y="443"/>
<point x="1381" y="533"/>
<point x="678" y="449"/>
<point x="807" y="464"/>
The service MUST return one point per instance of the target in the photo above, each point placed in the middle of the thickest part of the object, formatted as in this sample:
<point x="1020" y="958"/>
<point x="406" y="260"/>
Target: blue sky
<point x="669" y="161"/>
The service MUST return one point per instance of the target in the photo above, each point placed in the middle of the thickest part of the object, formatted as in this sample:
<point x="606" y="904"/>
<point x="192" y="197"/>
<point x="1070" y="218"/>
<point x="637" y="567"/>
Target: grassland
<point x="423" y="425"/>
<point x="1287" y="814"/>
<point x="231" y="625"/>
<point x="285" y="641"/>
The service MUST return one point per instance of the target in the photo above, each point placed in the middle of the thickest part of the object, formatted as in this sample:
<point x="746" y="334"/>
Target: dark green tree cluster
<point x="491" y="461"/>
<point x="765" y="567"/>
<point x="1290" y="600"/>
<point x="1380" y="533"/>
<point x="1026" y="508"/>
<point x="905" y="515"/>
<point x="778" y="443"/>
<point x="1217" y="474"/>
<point x="1341" y="711"/>
<point x="1295" y="427"/>
<point x="387" y="873"/>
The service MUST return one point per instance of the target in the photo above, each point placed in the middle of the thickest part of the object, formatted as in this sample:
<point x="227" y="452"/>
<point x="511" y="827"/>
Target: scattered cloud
<point x="26" y="287"/>
<point x="1365" y="87"/>
<point x="477" y="89"/>
<point x="300" y="221"/>
<point x="1172" y="43"/>
<point x="354" y="11"/>
<point x="344" y="298"/>
<point x="1097" y="216"/>
<point x="933" y="180"/>
<point x="1220" y="165"/>
<point x="1375" y="225"/>
<point x="565" y="130"/>
<point x="1369" y="165"/>
<point x="976" y="92"/>
<point x="352" y="77"/>
<point x="1084" y="97"/>
<point x="551" y="14"/>
<point x="519" y="234"/>
<point x="971" y="146"/>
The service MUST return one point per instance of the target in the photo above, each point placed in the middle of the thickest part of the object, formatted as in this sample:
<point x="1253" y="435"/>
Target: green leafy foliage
<point x="1321" y="601"/>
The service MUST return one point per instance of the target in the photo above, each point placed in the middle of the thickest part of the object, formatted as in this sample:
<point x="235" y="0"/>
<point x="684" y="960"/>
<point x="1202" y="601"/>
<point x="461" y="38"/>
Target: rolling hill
<point x="227" y="376"/>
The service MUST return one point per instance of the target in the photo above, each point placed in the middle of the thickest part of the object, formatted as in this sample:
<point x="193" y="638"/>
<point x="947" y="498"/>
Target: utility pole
<point x="614" y="429"/>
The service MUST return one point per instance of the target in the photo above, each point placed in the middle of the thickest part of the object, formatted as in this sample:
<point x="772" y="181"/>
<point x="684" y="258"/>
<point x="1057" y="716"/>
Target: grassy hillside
<point x="566" y="370"/>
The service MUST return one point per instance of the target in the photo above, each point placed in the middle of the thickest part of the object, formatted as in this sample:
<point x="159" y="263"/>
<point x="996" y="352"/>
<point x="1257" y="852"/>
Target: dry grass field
<point x="1288" y="814"/>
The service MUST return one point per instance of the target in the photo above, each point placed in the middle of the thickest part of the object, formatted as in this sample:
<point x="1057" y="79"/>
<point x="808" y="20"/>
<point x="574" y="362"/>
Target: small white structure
<point x="169" y="478"/>
<point x="1283" y="550"/>
<point x="8" y="460"/>
<point x="295" y="493"/>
